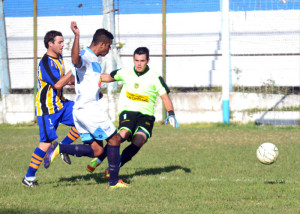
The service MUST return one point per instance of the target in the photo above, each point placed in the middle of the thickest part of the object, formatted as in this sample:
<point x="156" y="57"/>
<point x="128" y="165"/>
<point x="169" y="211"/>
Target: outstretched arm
<point x="167" y="102"/>
<point x="76" y="59"/>
<point x="170" y="109"/>
<point x="107" y="78"/>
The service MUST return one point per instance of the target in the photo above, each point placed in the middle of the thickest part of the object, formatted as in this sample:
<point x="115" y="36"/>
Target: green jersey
<point x="139" y="90"/>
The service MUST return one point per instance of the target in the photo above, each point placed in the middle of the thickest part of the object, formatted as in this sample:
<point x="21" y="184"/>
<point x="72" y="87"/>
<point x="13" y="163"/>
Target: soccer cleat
<point x="65" y="157"/>
<point x="106" y="172"/>
<point x="29" y="183"/>
<point x="120" y="184"/>
<point x="52" y="153"/>
<point x="92" y="165"/>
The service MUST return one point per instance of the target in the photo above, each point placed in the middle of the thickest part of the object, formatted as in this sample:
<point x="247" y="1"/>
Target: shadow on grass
<point x="275" y="182"/>
<point x="99" y="177"/>
<point x="21" y="210"/>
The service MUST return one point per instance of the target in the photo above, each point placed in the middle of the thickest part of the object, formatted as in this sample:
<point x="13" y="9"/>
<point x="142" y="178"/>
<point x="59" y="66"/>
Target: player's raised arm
<point x="76" y="59"/>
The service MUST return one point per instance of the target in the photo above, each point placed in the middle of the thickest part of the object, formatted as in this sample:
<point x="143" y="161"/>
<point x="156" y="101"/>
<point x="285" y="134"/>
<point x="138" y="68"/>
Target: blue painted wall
<point x="23" y="8"/>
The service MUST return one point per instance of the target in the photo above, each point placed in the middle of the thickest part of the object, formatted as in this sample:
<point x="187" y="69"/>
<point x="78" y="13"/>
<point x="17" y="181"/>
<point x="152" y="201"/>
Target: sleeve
<point x="73" y="71"/>
<point x="118" y="74"/>
<point x="84" y="60"/>
<point x="161" y="86"/>
<point x="50" y="71"/>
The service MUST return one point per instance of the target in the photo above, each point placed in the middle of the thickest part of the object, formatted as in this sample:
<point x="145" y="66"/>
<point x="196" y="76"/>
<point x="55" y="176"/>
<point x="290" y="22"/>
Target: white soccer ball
<point x="267" y="153"/>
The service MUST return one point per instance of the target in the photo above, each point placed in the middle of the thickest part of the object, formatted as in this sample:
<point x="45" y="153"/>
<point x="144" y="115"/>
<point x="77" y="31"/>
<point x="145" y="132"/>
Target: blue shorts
<point x="48" y="123"/>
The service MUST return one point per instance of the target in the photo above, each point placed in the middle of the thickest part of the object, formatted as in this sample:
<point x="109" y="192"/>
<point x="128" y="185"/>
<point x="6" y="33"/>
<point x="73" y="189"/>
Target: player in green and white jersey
<point x="140" y="88"/>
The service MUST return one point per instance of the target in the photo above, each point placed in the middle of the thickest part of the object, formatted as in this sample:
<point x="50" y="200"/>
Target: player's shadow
<point x="275" y="182"/>
<point x="99" y="177"/>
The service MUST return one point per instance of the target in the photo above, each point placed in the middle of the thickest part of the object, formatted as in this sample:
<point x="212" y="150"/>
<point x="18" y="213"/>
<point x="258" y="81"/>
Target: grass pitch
<point x="198" y="168"/>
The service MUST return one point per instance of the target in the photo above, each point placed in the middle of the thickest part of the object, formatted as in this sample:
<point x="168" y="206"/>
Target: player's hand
<point x="172" y="120"/>
<point x="74" y="28"/>
<point x="71" y="84"/>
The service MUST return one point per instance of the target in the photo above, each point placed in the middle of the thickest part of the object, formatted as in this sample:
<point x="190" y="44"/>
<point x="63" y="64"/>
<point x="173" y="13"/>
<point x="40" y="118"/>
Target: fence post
<point x="225" y="43"/>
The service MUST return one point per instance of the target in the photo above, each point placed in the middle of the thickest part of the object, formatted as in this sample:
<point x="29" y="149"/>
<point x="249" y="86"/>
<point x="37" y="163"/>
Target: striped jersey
<point x="139" y="90"/>
<point x="49" y="100"/>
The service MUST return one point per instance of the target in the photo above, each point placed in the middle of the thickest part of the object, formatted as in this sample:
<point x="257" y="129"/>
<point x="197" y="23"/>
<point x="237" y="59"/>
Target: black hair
<point x="49" y="37"/>
<point x="142" y="50"/>
<point x="102" y="35"/>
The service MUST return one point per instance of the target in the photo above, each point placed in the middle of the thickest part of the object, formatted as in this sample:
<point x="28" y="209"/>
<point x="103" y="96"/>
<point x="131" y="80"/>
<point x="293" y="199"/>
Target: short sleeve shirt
<point x="48" y="99"/>
<point x="87" y="80"/>
<point x="139" y="92"/>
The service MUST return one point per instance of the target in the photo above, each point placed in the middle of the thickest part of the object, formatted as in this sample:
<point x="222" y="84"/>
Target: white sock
<point x="30" y="178"/>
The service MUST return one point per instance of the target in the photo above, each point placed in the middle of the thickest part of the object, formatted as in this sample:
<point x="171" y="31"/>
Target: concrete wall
<point x="189" y="107"/>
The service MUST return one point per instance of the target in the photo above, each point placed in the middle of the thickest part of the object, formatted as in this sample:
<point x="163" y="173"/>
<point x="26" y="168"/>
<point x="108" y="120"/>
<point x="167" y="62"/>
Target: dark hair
<point x="102" y="35"/>
<point x="142" y="50"/>
<point x="49" y="37"/>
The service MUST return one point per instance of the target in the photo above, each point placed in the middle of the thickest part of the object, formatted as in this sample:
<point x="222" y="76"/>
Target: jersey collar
<point x="141" y="73"/>
<point x="89" y="50"/>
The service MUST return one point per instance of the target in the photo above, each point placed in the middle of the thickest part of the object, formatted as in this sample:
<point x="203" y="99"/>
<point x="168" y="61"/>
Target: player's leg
<point x="95" y="162"/>
<point x="77" y="150"/>
<point x="143" y="131"/>
<point x="91" y="148"/>
<point x="102" y="128"/>
<point x="113" y="157"/>
<point x="71" y="137"/>
<point x="126" y="124"/>
<point x="47" y="133"/>
<point x="138" y="141"/>
<point x="85" y="125"/>
<point x="67" y="119"/>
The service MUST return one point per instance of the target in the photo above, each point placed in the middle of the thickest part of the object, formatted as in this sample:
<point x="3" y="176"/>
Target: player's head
<point x="142" y="50"/>
<point x="54" y="42"/>
<point x="141" y="58"/>
<point x="102" y="40"/>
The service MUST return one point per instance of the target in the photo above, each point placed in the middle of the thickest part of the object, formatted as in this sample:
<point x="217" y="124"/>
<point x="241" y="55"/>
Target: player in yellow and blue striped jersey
<point x="52" y="108"/>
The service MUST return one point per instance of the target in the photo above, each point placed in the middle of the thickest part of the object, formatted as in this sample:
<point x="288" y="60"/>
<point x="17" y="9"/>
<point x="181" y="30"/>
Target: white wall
<point x="253" y="32"/>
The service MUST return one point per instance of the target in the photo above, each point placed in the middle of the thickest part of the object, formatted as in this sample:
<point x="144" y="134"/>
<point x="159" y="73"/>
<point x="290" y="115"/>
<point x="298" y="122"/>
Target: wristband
<point x="171" y="113"/>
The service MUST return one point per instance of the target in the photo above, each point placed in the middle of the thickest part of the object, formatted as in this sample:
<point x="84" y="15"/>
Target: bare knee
<point x="44" y="146"/>
<point x="124" y="134"/>
<point x="114" y="140"/>
<point x="139" y="139"/>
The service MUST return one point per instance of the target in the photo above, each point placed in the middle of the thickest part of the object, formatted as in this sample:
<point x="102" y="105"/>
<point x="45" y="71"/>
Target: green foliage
<point x="120" y="45"/>
<point x="287" y="108"/>
<point x="198" y="168"/>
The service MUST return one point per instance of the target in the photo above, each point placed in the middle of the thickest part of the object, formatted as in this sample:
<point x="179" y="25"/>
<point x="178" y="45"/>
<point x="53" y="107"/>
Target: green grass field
<point x="198" y="168"/>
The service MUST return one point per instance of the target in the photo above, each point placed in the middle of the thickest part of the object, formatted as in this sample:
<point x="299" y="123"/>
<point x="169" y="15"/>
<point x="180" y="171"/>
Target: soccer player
<point x="91" y="120"/>
<point x="51" y="106"/>
<point x="136" y="105"/>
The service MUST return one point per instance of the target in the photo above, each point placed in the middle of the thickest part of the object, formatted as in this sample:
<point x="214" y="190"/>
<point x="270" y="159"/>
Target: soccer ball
<point x="267" y="153"/>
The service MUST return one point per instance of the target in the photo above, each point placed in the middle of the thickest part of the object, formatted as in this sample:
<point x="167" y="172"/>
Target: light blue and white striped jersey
<point x="87" y="80"/>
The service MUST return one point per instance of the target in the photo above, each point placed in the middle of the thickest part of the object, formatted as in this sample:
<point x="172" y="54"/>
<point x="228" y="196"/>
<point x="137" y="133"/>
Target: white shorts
<point x="93" y="124"/>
